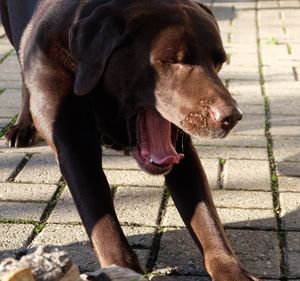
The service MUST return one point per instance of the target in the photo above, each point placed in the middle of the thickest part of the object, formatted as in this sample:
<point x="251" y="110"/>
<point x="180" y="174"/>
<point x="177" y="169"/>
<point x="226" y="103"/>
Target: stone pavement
<point x="254" y="173"/>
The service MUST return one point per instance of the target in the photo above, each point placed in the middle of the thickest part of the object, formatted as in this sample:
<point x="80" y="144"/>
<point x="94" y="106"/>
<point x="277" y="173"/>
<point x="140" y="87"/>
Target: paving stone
<point x="10" y="65"/>
<point x="178" y="253"/>
<point x="138" y="204"/>
<point x="212" y="170"/>
<point x="9" y="112"/>
<point x="232" y="218"/>
<point x="132" y="178"/>
<point x="285" y="105"/>
<point x="10" y="98"/>
<point x="257" y="250"/>
<point x="244" y="73"/>
<point x="290" y="212"/>
<point x="275" y="73"/>
<point x="240" y="218"/>
<point x="249" y="89"/>
<point x="251" y="125"/>
<point x="119" y="162"/>
<point x="40" y="147"/>
<point x="232" y="152"/>
<point x="8" y="163"/>
<point x="286" y="148"/>
<point x="10" y="84"/>
<point x="74" y="240"/>
<point x="280" y="89"/>
<point x="139" y="237"/>
<point x="41" y="168"/>
<point x="71" y="238"/>
<point x="4" y="122"/>
<point x="288" y="169"/>
<point x="23" y="211"/>
<point x="289" y="184"/>
<point x="180" y="278"/>
<point x="293" y="254"/>
<point x="14" y="239"/>
<point x="26" y="192"/>
<point x="242" y="199"/>
<point x="233" y="141"/>
<point x="65" y="212"/>
<point x="285" y="130"/>
<point x="247" y="175"/>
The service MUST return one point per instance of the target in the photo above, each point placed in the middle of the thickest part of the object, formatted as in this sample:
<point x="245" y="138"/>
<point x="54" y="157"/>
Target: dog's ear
<point x="92" y="40"/>
<point x="205" y="8"/>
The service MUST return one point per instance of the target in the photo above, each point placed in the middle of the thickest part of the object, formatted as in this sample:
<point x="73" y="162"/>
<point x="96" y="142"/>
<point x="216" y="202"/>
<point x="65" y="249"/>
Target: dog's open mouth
<point x="156" y="139"/>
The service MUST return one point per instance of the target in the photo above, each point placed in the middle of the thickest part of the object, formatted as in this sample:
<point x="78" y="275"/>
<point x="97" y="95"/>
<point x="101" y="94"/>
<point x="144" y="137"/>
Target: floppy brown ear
<point x="92" y="40"/>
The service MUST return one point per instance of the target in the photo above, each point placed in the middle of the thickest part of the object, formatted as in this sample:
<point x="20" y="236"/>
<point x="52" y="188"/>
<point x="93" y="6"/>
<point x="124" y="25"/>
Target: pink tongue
<point x="159" y="147"/>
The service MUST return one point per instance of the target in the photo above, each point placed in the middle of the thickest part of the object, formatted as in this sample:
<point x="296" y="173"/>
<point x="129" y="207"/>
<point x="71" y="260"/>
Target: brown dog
<point x="137" y="74"/>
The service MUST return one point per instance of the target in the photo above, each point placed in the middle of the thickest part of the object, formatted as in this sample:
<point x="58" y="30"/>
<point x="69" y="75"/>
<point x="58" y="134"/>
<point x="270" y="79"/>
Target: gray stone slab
<point x="247" y="175"/>
<point x="242" y="199"/>
<point x="74" y="240"/>
<point x="280" y="90"/>
<point x="289" y="184"/>
<point x="286" y="148"/>
<point x="9" y="112"/>
<point x="133" y="178"/>
<point x="245" y="153"/>
<point x="40" y="147"/>
<point x="10" y="65"/>
<point x="290" y="210"/>
<point x="139" y="237"/>
<point x="178" y="254"/>
<point x="234" y="141"/>
<point x="285" y="130"/>
<point x="119" y="162"/>
<point x="241" y="218"/>
<point x="71" y="238"/>
<point x="4" y="122"/>
<point x="21" y="211"/>
<point x="41" y="168"/>
<point x="288" y="169"/>
<point x="231" y="218"/>
<point x="26" y="192"/>
<point x="249" y="91"/>
<point x="10" y="98"/>
<point x="8" y="163"/>
<point x="212" y="170"/>
<point x="286" y="105"/>
<point x="180" y="278"/>
<point x="65" y="212"/>
<point x="293" y="254"/>
<point x="10" y="84"/>
<point x="138" y="204"/>
<point x="257" y="250"/>
<point x="14" y="239"/>
<point x="244" y="73"/>
<point x="251" y="125"/>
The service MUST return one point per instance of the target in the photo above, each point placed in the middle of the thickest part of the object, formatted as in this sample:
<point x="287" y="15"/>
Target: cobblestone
<point x="238" y="167"/>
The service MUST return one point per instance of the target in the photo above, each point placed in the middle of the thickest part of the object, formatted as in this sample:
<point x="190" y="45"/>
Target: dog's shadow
<point x="171" y="251"/>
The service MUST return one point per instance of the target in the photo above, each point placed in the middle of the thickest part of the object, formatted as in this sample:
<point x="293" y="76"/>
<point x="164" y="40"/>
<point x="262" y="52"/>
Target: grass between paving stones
<point x="20" y="166"/>
<point x="274" y="178"/>
<point x="221" y="175"/>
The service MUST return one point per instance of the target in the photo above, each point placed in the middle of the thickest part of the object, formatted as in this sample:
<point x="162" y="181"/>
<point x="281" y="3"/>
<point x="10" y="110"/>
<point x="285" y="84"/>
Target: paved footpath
<point x="254" y="173"/>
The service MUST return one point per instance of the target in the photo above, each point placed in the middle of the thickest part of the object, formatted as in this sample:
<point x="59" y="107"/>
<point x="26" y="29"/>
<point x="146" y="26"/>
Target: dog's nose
<point x="227" y="115"/>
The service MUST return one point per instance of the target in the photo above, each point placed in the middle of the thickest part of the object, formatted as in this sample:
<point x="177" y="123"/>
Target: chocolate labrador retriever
<point x="141" y="76"/>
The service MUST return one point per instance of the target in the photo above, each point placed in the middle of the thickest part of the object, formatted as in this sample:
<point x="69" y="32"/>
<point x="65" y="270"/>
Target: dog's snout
<point x="227" y="115"/>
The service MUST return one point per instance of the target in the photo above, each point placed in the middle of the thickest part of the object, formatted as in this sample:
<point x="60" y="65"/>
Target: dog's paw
<point x="21" y="136"/>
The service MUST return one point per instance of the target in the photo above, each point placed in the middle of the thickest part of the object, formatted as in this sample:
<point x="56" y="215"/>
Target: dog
<point x="140" y="76"/>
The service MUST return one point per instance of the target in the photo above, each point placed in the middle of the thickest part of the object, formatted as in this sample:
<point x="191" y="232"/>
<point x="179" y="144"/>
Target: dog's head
<point x="159" y="60"/>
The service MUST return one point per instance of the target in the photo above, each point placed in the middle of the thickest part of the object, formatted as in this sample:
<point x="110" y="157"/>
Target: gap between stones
<point x="274" y="179"/>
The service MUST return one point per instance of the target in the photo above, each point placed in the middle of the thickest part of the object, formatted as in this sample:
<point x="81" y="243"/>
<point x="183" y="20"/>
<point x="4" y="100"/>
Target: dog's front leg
<point x="189" y="189"/>
<point x="68" y="126"/>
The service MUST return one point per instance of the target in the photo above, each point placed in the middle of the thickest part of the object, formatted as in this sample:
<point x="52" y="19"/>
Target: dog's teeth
<point x="151" y="160"/>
